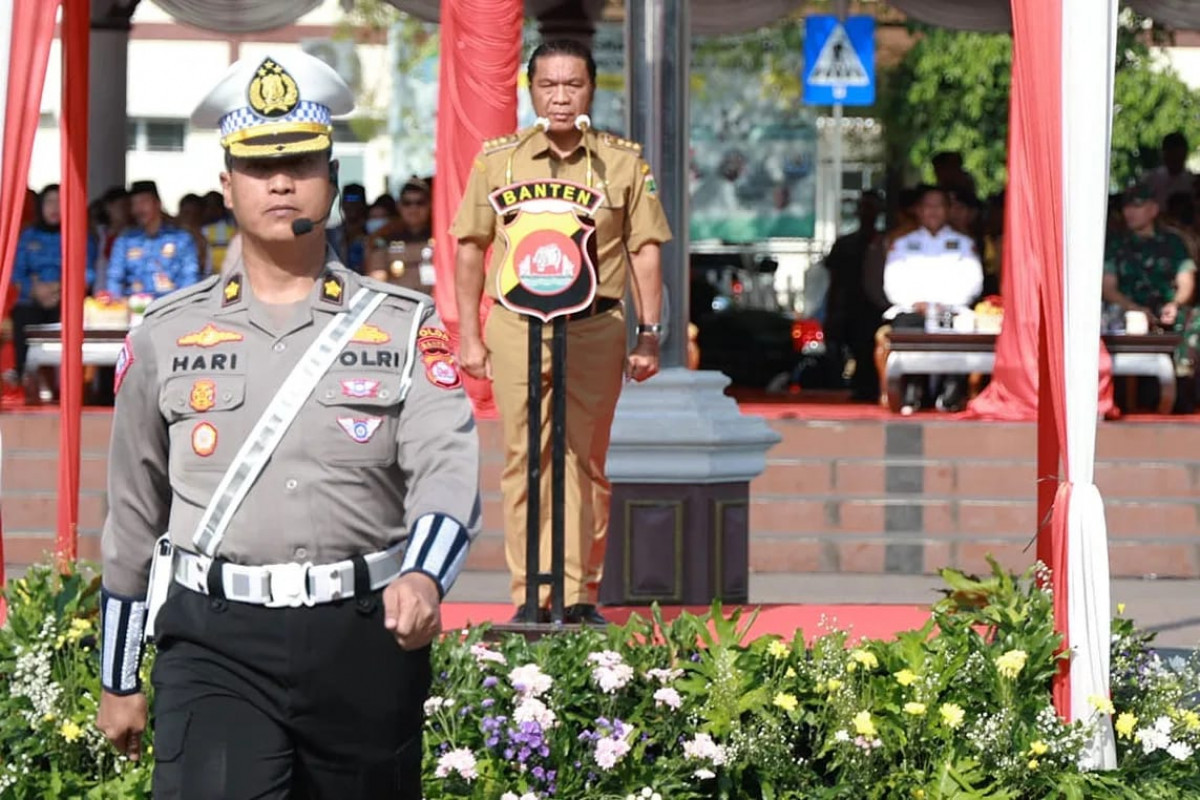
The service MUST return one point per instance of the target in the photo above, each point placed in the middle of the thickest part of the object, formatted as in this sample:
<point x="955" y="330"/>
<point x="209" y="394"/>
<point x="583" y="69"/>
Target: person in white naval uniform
<point x="930" y="271"/>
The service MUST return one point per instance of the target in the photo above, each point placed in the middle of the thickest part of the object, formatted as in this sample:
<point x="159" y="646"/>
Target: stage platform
<point x="850" y="489"/>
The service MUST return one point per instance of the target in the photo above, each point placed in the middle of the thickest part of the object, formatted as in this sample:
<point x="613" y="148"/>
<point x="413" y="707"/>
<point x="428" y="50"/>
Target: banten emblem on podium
<point x="549" y="265"/>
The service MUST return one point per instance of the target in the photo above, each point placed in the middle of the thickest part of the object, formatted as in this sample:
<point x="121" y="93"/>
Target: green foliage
<point x="690" y="709"/>
<point x="951" y="90"/>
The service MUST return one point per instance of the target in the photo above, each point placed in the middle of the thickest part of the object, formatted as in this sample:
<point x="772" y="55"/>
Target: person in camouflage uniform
<point x="1148" y="268"/>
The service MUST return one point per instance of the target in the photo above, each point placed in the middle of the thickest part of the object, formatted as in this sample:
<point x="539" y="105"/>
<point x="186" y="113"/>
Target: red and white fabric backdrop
<point x="477" y="100"/>
<point x="26" y="30"/>
<point x="1059" y="159"/>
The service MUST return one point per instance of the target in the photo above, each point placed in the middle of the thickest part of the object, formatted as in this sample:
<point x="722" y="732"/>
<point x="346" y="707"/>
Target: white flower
<point x="667" y="696"/>
<point x="703" y="748"/>
<point x="1180" y="751"/>
<point x="664" y="676"/>
<point x="533" y="710"/>
<point x="436" y="703"/>
<point x="460" y="761"/>
<point x="605" y="658"/>
<point x="530" y="681"/>
<point x="611" y="672"/>
<point x="609" y="751"/>
<point x="841" y="736"/>
<point x="1163" y="725"/>
<point x="647" y="793"/>
<point x="483" y="655"/>
<point x="705" y="774"/>
<point x="1152" y="739"/>
<point x="513" y="796"/>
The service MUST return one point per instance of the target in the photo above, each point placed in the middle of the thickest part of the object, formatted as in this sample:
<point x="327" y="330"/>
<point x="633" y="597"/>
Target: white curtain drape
<point x="237" y="16"/>
<point x="1088" y="52"/>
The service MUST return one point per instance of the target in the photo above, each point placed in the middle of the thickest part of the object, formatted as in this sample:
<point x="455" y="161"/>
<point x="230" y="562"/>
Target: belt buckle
<point x="289" y="586"/>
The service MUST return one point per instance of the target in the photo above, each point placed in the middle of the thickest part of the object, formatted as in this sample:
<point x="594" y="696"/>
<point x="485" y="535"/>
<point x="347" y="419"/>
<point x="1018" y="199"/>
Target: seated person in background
<point x="930" y="271"/>
<point x="191" y="219"/>
<point x="396" y="252"/>
<point x="37" y="271"/>
<point x="1148" y="268"/>
<point x="154" y="258"/>
<point x="218" y="231"/>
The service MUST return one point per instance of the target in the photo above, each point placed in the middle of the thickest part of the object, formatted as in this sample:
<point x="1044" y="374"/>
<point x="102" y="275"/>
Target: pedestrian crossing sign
<point x="839" y="60"/>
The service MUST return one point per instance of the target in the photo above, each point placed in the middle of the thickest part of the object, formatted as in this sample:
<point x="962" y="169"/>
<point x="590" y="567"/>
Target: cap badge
<point x="273" y="92"/>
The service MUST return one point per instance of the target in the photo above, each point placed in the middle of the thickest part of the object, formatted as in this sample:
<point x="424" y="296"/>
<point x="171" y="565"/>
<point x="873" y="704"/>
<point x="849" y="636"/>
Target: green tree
<point x="951" y="90"/>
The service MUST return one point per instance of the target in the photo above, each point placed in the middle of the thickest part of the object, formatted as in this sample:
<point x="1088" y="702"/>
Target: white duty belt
<point x="287" y="585"/>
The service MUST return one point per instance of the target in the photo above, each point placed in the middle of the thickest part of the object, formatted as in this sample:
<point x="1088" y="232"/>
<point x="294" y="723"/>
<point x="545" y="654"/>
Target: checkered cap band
<point x="246" y="117"/>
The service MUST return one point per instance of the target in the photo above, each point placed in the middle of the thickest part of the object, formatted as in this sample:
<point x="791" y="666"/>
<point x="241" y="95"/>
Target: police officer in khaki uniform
<point x="308" y="564"/>
<point x="630" y="226"/>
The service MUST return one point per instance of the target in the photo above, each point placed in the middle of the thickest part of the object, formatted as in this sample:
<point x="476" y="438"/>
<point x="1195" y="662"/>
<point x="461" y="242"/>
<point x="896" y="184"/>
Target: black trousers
<point x="22" y="317"/>
<point x="285" y="703"/>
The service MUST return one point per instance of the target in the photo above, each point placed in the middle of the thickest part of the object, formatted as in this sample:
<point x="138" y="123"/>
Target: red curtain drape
<point x="480" y="60"/>
<point x="32" y="33"/>
<point x="74" y="129"/>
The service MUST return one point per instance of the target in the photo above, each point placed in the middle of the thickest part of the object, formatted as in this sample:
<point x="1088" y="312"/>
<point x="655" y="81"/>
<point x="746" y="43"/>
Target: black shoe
<point x="912" y="398"/>
<point x="584" y="614"/>
<point x="522" y="616"/>
<point x="953" y="395"/>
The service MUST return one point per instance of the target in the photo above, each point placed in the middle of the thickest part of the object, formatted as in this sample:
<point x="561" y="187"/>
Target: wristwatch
<point x="655" y="329"/>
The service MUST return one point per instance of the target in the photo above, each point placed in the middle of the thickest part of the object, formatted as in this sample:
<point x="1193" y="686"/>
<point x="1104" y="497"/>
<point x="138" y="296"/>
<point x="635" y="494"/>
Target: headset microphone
<point x="303" y="225"/>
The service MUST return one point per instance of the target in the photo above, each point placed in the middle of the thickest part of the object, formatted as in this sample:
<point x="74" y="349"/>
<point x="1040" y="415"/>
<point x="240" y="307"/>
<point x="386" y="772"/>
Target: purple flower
<point x="488" y="703"/>
<point x="491" y="681"/>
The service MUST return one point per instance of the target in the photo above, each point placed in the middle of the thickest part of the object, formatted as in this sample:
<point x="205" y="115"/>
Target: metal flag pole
<point x="533" y="507"/>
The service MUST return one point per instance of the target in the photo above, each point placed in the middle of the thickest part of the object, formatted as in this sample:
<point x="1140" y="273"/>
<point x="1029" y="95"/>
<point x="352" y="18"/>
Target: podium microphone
<point x="539" y="124"/>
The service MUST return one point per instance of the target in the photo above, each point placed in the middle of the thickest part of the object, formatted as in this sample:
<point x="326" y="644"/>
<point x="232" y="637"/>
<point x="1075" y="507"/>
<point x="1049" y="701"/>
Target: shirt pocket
<point x="207" y="424"/>
<point x="357" y="418"/>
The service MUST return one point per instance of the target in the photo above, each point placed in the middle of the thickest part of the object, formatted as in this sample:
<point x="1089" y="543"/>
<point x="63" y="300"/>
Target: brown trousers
<point x="596" y="349"/>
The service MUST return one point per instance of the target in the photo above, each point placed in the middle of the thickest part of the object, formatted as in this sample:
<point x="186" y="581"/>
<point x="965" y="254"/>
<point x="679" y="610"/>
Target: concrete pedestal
<point x="681" y="461"/>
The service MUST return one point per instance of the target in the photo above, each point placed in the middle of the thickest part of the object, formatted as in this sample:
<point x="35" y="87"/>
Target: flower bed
<point x="688" y="709"/>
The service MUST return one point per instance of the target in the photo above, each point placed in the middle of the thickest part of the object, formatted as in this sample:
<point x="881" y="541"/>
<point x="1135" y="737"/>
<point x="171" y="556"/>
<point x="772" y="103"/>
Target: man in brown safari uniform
<point x="629" y="228"/>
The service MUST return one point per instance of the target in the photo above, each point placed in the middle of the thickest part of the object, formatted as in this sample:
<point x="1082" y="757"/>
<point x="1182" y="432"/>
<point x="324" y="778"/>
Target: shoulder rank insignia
<point x="619" y="143"/>
<point x="208" y="336"/>
<point x="333" y="288"/>
<point x="371" y="334"/>
<point x="500" y="142"/>
<point x="272" y="92"/>
<point x="232" y="292"/>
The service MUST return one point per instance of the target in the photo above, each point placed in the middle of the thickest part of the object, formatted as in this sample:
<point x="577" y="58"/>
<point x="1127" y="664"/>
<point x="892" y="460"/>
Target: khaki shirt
<point x="630" y="217"/>
<point x="352" y="474"/>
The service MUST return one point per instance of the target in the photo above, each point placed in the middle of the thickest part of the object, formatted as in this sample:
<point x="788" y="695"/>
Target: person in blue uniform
<point x="37" y="270"/>
<point x="154" y="258"/>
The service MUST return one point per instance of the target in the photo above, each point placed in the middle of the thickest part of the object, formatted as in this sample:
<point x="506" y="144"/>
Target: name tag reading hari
<point x="549" y="229"/>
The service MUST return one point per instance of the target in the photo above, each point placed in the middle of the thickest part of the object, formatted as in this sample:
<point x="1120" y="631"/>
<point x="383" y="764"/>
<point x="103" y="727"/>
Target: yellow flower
<point x="834" y="684"/>
<point x="786" y="701"/>
<point x="1125" y="724"/>
<point x="81" y="625"/>
<point x="1191" y="720"/>
<point x="49" y="717"/>
<point x="778" y="649"/>
<point x="916" y="709"/>
<point x="1038" y="748"/>
<point x="1120" y="609"/>
<point x="906" y="677"/>
<point x="952" y="715"/>
<point x="70" y="731"/>
<point x="851" y="667"/>
<point x="1033" y="763"/>
<point x="866" y="658"/>
<point x="1011" y="663"/>
<point x="791" y="673"/>
<point x="919" y="794"/>
<point x="863" y="724"/>
<point x="1101" y="704"/>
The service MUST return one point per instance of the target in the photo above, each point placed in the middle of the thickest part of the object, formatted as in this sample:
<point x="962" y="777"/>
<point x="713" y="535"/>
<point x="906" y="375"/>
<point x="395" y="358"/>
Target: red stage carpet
<point x="870" y="621"/>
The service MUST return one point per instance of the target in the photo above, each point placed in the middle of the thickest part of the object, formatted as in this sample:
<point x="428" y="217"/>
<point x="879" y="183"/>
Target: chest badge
<point x="360" y="429"/>
<point x="361" y="388"/>
<point x="208" y="336"/>
<point x="204" y="439"/>
<point x="371" y="334"/>
<point x="204" y="395"/>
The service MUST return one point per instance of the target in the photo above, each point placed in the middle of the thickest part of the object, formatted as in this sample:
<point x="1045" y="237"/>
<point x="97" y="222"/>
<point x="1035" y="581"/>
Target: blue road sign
<point x="839" y="60"/>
